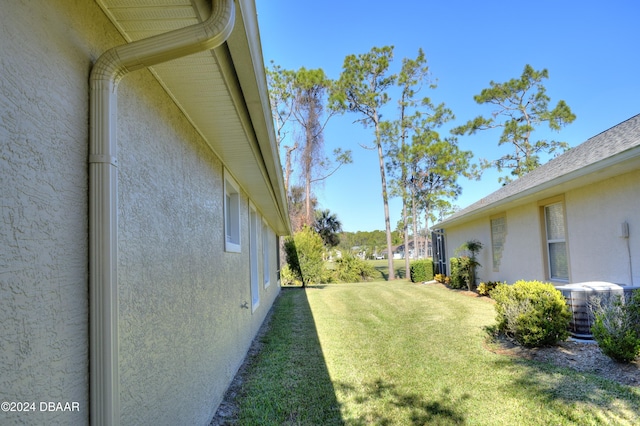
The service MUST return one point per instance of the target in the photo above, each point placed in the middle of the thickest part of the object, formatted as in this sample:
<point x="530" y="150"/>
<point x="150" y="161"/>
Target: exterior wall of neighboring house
<point x="595" y="214"/>
<point x="521" y="256"/>
<point x="595" y="249"/>
<point x="185" y="303"/>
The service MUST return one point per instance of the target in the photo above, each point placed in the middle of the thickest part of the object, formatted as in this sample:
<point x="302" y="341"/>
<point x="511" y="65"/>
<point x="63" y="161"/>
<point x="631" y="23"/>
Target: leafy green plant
<point x="421" y="270"/>
<point x="533" y="313"/>
<point x="485" y="288"/>
<point x="459" y="272"/>
<point x="474" y="247"/>
<point x="288" y="278"/>
<point x="351" y="269"/>
<point x="304" y="256"/>
<point x="617" y="327"/>
<point x="463" y="274"/>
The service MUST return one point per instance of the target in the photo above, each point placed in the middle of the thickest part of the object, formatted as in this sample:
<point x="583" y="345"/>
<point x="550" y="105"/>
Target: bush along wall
<point x="421" y="270"/>
<point x="485" y="288"/>
<point x="459" y="272"/>
<point x="532" y="312"/>
<point x="617" y="327"/>
<point x="304" y="256"/>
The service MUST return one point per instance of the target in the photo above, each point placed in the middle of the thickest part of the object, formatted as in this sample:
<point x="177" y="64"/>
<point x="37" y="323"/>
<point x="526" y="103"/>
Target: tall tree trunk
<point x="307" y="191"/>
<point x="385" y="200"/>
<point x="288" y="170"/>
<point x="415" y="224"/>
<point x="405" y="236"/>
<point x="403" y="180"/>
<point x="426" y="232"/>
<point x="308" y="159"/>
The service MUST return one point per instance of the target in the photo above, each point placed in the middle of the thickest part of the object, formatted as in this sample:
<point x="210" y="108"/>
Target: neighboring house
<point x="574" y="219"/>
<point x="400" y="253"/>
<point x="399" y="250"/>
<point x="141" y="205"/>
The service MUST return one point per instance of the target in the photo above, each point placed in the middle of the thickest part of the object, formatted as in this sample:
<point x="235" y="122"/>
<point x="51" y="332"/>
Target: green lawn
<point x="397" y="353"/>
<point x="382" y="269"/>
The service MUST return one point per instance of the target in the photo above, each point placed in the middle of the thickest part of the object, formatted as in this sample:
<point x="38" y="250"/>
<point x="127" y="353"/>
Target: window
<point x="266" y="244"/>
<point x="231" y="214"/>
<point x="253" y="257"/>
<point x="556" y="245"/>
<point x="498" y="235"/>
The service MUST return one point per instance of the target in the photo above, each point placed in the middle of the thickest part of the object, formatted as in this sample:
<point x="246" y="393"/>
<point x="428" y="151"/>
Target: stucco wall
<point x="183" y="330"/>
<point x="594" y="216"/>
<point x="596" y="250"/>
<point x="46" y="50"/>
<point x="474" y="230"/>
<point x="521" y="257"/>
<point x="522" y="254"/>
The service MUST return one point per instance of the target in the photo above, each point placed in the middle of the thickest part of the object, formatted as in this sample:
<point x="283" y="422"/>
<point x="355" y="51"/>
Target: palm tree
<point x="474" y="247"/>
<point x="328" y="226"/>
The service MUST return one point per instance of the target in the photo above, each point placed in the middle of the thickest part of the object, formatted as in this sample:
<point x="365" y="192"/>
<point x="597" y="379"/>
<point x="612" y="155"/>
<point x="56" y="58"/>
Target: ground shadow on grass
<point x="286" y="382"/>
<point x="609" y="402"/>
<point x="383" y="403"/>
<point x="383" y="270"/>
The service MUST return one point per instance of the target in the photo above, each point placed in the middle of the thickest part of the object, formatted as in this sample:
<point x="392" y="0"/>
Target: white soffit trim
<point x="222" y="92"/>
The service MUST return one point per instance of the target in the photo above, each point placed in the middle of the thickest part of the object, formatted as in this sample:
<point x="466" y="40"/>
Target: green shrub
<point x="421" y="270"/>
<point x="304" y="256"/>
<point x="351" y="269"/>
<point x="459" y="272"/>
<point x="484" y="289"/>
<point x="473" y="247"/>
<point x="288" y="277"/>
<point x="617" y="327"/>
<point x="291" y="256"/>
<point x="532" y="312"/>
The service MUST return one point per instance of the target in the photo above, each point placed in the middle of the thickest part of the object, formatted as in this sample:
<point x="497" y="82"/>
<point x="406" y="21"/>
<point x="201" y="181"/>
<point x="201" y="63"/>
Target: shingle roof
<point x="616" y="140"/>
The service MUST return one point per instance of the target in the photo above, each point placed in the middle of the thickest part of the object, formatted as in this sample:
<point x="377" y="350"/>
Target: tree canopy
<point x="521" y="105"/>
<point x="417" y="162"/>
<point x="328" y="226"/>
<point x="298" y="103"/>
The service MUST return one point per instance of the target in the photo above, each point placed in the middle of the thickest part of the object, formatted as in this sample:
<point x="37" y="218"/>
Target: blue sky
<point x="590" y="48"/>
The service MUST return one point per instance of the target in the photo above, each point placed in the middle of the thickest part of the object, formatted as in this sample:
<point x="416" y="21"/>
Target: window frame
<point x="266" y="244"/>
<point x="231" y="208"/>
<point x="546" y="242"/>
<point x="254" y="270"/>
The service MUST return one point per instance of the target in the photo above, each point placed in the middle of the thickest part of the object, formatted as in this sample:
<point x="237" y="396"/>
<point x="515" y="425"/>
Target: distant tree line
<point x="418" y="161"/>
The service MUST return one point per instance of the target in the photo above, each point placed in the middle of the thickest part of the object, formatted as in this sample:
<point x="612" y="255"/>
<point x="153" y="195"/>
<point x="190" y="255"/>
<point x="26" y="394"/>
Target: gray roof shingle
<point x="622" y="137"/>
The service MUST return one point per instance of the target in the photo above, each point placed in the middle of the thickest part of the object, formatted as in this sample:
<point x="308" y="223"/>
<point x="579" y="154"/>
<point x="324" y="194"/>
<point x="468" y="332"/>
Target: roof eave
<point x="246" y="52"/>
<point x="615" y="165"/>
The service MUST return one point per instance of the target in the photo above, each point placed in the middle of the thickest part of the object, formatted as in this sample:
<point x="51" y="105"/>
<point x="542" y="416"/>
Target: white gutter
<point x="103" y="189"/>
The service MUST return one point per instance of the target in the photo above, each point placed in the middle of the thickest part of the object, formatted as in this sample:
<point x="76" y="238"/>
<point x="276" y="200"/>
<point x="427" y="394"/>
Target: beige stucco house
<point x="142" y="198"/>
<point x="575" y="219"/>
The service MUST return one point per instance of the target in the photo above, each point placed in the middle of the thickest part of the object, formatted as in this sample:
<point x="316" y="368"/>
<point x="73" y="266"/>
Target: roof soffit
<point x="219" y="93"/>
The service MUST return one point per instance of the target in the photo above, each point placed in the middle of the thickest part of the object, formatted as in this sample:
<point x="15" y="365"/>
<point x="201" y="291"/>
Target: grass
<point x="396" y="353"/>
<point x="382" y="269"/>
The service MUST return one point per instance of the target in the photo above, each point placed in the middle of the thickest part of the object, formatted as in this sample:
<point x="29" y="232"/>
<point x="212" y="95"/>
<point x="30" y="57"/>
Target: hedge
<point x="421" y="270"/>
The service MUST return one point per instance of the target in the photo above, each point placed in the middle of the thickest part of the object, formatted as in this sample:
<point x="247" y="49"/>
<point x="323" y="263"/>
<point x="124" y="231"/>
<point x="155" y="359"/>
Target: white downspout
<point x="103" y="195"/>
